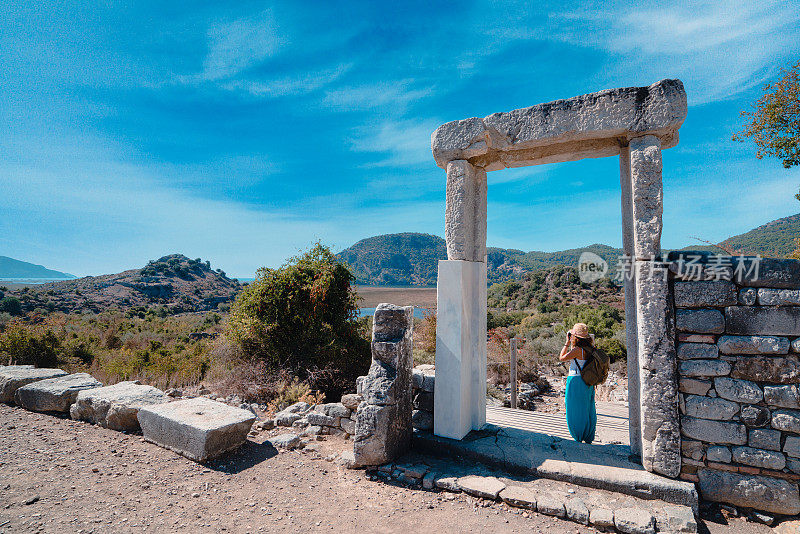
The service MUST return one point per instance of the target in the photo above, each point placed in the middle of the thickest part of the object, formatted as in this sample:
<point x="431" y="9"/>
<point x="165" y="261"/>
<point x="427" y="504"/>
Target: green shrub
<point x="11" y="305"/>
<point x="302" y="318"/>
<point x="22" y="346"/>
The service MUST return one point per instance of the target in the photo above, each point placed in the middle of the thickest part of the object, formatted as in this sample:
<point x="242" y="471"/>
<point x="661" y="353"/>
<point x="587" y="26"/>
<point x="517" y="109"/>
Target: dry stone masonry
<point x="383" y="420"/>
<point x="738" y="379"/>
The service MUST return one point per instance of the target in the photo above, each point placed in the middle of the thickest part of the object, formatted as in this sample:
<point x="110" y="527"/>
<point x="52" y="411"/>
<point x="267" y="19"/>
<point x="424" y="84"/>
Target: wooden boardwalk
<point x="612" y="422"/>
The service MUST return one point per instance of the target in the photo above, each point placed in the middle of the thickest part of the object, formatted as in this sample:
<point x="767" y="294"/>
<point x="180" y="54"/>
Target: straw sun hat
<point x="581" y="330"/>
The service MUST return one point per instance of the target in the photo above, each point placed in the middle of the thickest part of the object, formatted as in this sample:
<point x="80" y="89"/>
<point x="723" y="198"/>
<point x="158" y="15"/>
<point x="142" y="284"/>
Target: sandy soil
<point x="58" y="475"/>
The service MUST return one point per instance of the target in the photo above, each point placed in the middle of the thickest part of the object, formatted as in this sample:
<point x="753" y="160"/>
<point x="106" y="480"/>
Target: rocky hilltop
<point x="175" y="283"/>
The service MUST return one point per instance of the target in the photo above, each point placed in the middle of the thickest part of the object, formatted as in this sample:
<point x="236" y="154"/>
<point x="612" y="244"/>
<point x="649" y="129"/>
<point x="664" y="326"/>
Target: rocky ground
<point x="58" y="475"/>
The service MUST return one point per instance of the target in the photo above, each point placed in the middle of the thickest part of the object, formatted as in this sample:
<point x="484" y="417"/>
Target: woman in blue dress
<point x="579" y="398"/>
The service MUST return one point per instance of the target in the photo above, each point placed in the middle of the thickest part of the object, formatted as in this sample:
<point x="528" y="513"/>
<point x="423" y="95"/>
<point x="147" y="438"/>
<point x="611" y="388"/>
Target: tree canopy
<point x="774" y="122"/>
<point x="302" y="318"/>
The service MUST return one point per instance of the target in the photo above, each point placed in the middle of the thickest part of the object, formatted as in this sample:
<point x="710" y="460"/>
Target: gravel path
<point x="58" y="475"/>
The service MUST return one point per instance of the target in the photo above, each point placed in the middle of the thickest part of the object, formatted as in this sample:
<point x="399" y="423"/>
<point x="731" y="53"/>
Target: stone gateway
<point x="635" y="123"/>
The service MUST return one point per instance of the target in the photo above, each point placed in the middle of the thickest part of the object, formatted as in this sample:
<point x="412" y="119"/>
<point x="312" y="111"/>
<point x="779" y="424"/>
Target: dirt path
<point x="77" y="477"/>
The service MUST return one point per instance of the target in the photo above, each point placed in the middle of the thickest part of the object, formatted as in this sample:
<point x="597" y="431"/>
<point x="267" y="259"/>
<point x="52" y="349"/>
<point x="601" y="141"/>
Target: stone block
<point x="54" y="394"/>
<point x="199" y="428"/>
<point x="704" y="368"/>
<point x="708" y="408"/>
<point x="793" y="465"/>
<point x="773" y="370"/>
<point x="634" y="521"/>
<point x="692" y="449"/>
<point x="551" y="504"/>
<point x="764" y="438"/>
<point x="792" y="446"/>
<point x="757" y="320"/>
<point x="754" y="416"/>
<point x="352" y="400"/>
<point x="753" y="345"/>
<point x="696" y="338"/>
<point x="705" y="294"/>
<point x="422" y="420"/>
<point x="786" y="420"/>
<point x="117" y="406"/>
<point x="714" y="431"/>
<point x="694" y="386"/>
<point x="577" y="510"/>
<point x="794" y="346"/>
<point x="284" y="418"/>
<point x="748" y="296"/>
<point x="750" y="491"/>
<point x="694" y="351"/>
<point x="465" y="212"/>
<point x="348" y="425"/>
<point x="320" y="419"/>
<point x="677" y="519"/>
<point x="759" y="458"/>
<point x="778" y="297"/>
<point x="601" y="518"/>
<point x="334" y="409"/>
<point x="718" y="453"/>
<point x="13" y="377"/>
<point x="519" y="497"/>
<point x="771" y="272"/>
<point x="460" y="385"/>
<point x="283" y="441"/>
<point x="564" y="130"/>
<point x="423" y="400"/>
<point x="646" y="193"/>
<point x="701" y="321"/>
<point x="738" y="390"/>
<point x="383" y="420"/>
<point x="658" y="380"/>
<point x="782" y="396"/>
<point x="479" y="486"/>
<point x="424" y="378"/>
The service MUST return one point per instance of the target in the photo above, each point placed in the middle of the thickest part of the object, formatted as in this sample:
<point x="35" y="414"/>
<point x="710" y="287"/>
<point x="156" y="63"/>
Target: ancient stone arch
<point x="635" y="123"/>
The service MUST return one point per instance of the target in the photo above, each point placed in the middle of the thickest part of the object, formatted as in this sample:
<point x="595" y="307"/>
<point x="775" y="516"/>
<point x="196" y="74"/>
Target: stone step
<point x="600" y="508"/>
<point x="605" y="467"/>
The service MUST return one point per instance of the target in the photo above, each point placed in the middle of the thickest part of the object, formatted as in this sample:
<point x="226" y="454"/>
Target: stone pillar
<point x="383" y="419"/>
<point x="631" y="341"/>
<point x="465" y="212"/>
<point x="658" y="384"/>
<point x="460" y="387"/>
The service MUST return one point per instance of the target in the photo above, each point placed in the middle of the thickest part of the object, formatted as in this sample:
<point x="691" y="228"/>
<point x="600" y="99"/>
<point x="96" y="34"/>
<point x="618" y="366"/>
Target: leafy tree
<point x="775" y="120"/>
<point x="303" y="318"/>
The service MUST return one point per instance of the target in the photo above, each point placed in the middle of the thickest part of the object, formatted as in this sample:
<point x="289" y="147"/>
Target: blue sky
<point x="243" y="132"/>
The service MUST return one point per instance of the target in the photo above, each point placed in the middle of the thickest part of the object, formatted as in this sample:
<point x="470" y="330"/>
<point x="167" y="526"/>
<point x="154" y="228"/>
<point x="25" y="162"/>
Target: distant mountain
<point x="411" y="259"/>
<point x="172" y="283"/>
<point x="11" y="268"/>
<point x="775" y="239"/>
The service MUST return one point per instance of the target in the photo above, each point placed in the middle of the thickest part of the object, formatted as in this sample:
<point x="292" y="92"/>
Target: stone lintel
<point x="591" y="125"/>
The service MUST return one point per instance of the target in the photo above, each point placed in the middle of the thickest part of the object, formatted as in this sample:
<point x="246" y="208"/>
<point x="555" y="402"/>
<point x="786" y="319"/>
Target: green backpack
<point x="595" y="370"/>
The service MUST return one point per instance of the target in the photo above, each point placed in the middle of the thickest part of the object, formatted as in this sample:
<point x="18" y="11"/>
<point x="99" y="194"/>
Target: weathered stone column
<point x="383" y="419"/>
<point x="460" y="388"/>
<point x="658" y="384"/>
<point x="629" y="280"/>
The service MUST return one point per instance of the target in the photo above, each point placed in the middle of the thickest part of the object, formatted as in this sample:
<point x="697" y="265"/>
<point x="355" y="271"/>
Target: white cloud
<point x="238" y="45"/>
<point x="293" y="85"/>
<point x="719" y="49"/>
<point x="403" y="142"/>
<point x="384" y="94"/>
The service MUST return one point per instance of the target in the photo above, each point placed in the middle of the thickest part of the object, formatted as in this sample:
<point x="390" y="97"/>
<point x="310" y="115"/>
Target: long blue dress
<point x="581" y="411"/>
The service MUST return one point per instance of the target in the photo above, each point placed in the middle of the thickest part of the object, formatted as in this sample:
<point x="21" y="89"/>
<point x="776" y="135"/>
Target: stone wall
<point x="422" y="385"/>
<point x="738" y="339"/>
